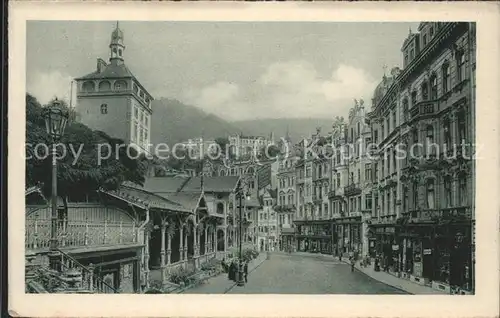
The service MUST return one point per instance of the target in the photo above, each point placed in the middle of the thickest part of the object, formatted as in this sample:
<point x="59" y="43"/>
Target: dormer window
<point x="104" y="109"/>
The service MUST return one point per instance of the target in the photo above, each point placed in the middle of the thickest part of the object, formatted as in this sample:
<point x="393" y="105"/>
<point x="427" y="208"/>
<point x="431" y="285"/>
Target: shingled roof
<point x="212" y="184"/>
<point x="110" y="71"/>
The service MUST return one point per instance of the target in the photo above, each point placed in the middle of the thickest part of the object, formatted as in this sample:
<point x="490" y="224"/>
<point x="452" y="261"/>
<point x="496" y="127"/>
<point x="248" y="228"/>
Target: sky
<point x="235" y="70"/>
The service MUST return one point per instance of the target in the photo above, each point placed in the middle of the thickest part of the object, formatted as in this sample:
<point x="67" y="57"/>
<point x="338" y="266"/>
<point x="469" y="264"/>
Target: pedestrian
<point x="232" y="271"/>
<point x="353" y="262"/>
<point x="245" y="271"/>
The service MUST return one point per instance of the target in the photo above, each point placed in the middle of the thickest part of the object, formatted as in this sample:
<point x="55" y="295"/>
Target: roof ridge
<point x="183" y="184"/>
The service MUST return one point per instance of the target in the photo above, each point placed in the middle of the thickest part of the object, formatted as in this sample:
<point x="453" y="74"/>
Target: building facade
<point x="268" y="222"/>
<point x="423" y="216"/>
<point x="112" y="100"/>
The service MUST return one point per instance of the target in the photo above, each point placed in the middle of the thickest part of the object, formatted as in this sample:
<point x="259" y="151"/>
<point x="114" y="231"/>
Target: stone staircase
<point x="70" y="277"/>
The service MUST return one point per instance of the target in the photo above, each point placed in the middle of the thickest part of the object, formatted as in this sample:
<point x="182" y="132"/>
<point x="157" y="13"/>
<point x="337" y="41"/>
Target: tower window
<point x="104" y="109"/>
<point x="114" y="50"/>
<point x="120" y="52"/>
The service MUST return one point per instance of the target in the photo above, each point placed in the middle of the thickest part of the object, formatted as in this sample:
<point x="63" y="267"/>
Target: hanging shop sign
<point x="427" y="251"/>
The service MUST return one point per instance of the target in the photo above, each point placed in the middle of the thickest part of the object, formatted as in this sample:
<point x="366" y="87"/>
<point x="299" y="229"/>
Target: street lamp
<point x="239" y="192"/>
<point x="56" y="119"/>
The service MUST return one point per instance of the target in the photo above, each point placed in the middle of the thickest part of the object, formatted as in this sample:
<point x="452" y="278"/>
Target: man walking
<point x="245" y="271"/>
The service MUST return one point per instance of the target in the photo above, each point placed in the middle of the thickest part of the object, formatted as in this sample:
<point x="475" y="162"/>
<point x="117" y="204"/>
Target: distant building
<point x="243" y="146"/>
<point x="197" y="146"/>
<point x="268" y="222"/>
<point x="112" y="100"/>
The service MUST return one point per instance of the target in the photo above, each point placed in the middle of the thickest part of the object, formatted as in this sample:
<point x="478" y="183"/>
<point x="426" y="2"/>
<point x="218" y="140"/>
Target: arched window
<point x="120" y="85"/>
<point x="447" y="132"/>
<point x="104" y="86"/>
<point x="88" y="86"/>
<point x="413" y="98"/>
<point x="430" y="139"/>
<point x="120" y="52"/>
<point x="446" y="78"/>
<point x="434" y="87"/>
<point x="425" y="90"/>
<point x="136" y="89"/>
<point x="222" y="173"/>
<point x="250" y="170"/>
<point x="220" y="208"/>
<point x="405" y="199"/>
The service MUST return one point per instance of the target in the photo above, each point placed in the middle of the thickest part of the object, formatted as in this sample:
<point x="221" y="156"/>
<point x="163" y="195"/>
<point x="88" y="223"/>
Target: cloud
<point x="293" y="89"/>
<point x="46" y="86"/>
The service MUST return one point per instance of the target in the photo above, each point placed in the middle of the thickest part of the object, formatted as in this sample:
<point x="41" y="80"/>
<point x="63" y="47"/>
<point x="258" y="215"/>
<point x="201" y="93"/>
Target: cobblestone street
<point x="300" y="274"/>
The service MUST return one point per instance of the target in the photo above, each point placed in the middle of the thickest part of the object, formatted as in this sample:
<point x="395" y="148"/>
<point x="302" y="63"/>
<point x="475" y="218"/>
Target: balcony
<point x="424" y="108"/>
<point x="352" y="189"/>
<point x="79" y="234"/>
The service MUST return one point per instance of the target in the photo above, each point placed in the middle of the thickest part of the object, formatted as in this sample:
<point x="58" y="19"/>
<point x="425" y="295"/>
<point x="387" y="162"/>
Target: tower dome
<point x="116" y="46"/>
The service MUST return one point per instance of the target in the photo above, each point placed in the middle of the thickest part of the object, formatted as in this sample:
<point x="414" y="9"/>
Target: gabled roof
<point x="164" y="184"/>
<point x="212" y="184"/>
<point x="272" y="193"/>
<point x="187" y="200"/>
<point x="111" y="71"/>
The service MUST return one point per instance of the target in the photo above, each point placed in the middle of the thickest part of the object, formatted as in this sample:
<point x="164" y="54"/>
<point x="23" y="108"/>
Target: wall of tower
<point x="115" y="122"/>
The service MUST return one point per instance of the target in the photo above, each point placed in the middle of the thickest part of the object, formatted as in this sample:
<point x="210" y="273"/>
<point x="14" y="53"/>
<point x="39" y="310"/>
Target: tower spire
<point x="116" y="45"/>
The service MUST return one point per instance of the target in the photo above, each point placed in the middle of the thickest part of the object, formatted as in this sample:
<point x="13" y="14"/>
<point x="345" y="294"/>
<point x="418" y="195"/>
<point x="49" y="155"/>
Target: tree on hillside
<point x="83" y="173"/>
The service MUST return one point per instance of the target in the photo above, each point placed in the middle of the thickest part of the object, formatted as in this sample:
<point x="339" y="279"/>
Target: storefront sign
<point x="395" y="247"/>
<point x="427" y="251"/>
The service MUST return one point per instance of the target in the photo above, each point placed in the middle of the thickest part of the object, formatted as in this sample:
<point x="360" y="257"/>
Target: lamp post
<point x="56" y="119"/>
<point x="241" y="280"/>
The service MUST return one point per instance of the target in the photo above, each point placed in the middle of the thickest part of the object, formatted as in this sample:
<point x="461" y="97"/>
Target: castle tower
<point x="112" y="100"/>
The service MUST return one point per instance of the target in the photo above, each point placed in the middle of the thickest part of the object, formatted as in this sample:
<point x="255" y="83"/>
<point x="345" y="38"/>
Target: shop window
<point x="430" y="194"/>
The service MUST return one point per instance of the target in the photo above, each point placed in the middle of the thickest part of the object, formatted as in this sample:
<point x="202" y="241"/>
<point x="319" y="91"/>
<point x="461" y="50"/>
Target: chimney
<point x="101" y="65"/>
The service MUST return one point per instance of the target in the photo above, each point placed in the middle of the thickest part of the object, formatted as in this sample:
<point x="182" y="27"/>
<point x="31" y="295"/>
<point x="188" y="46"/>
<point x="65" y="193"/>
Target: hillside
<point x="303" y="127"/>
<point x="174" y="121"/>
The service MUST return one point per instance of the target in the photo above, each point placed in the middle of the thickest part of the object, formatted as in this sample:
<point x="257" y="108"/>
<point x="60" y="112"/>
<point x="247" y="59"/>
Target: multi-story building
<point x="286" y="196"/>
<point x="268" y="222"/>
<point x="423" y="214"/>
<point x="197" y="146"/>
<point x="350" y="195"/>
<point x="313" y="224"/>
<point x="243" y="146"/>
<point x="112" y="100"/>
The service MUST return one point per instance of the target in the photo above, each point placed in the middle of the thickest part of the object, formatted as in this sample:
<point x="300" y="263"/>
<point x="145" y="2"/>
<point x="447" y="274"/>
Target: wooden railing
<point x="78" y="233"/>
<point x="89" y="281"/>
